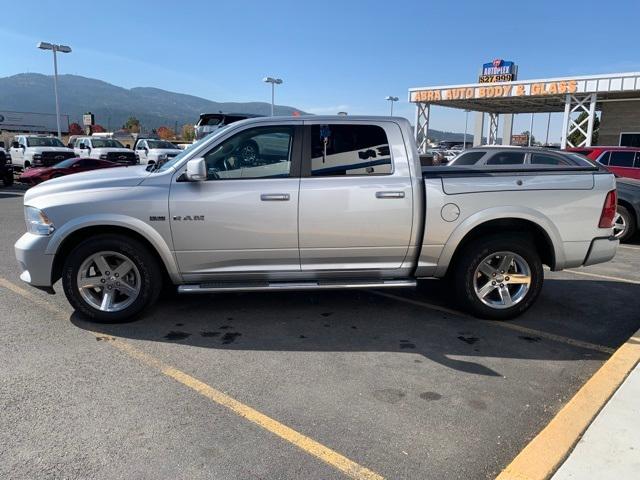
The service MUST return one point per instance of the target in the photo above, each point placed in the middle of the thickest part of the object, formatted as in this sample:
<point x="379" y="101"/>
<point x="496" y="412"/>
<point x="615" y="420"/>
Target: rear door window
<point x="468" y="158"/>
<point x="604" y="158"/>
<point x="547" y="159"/>
<point x="340" y="150"/>
<point x="507" y="158"/>
<point x="621" y="159"/>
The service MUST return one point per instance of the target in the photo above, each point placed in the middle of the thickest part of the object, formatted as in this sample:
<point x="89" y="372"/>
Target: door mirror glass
<point x="196" y="170"/>
<point x="82" y="146"/>
<point x="15" y="145"/>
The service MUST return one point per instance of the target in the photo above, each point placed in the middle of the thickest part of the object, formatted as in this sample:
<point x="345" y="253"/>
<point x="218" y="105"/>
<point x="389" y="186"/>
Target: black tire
<point x="7" y="181"/>
<point x="629" y="222"/>
<point x="146" y="264"/>
<point x="474" y="253"/>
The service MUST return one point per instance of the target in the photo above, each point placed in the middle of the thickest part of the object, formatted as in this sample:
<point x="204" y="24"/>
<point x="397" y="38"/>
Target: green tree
<point x="132" y="124"/>
<point x="576" y="138"/>
<point x="188" y="133"/>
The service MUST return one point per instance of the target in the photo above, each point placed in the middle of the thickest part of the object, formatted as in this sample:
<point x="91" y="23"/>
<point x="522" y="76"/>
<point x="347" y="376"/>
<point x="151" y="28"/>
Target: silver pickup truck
<point x="324" y="203"/>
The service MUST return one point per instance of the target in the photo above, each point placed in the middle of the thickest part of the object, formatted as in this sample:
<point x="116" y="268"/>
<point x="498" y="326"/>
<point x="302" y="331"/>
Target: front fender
<point x="131" y="223"/>
<point x="497" y="213"/>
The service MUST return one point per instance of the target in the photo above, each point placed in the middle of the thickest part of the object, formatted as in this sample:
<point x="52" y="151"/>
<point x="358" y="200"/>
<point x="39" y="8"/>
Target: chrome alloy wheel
<point x="502" y="280"/>
<point x="109" y="281"/>
<point x="619" y="226"/>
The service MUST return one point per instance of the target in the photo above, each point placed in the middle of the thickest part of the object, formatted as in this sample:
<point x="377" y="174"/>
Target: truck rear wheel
<point x="111" y="278"/>
<point x="499" y="276"/>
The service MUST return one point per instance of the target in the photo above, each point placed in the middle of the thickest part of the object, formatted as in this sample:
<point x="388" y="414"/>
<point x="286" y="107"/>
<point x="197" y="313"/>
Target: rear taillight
<point x="608" y="210"/>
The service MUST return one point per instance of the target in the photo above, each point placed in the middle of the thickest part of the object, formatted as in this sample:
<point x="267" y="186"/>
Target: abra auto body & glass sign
<point x="498" y="71"/>
<point x="521" y="89"/>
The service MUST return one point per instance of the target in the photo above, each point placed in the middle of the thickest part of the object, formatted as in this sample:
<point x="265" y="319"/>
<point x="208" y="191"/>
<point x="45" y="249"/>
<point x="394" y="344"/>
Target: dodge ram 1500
<point x="325" y="203"/>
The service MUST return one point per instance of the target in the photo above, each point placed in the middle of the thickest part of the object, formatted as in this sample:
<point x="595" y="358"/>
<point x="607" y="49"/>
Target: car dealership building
<point x="616" y="96"/>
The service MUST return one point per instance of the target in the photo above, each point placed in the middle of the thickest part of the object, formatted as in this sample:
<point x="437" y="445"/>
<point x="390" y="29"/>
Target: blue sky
<point x="333" y="55"/>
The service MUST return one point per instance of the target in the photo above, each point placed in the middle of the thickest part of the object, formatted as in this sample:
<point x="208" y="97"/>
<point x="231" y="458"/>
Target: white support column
<point x="565" y="121"/>
<point x="507" y="128"/>
<point x="575" y="106"/>
<point x="422" y="126"/>
<point x="478" y="131"/>
<point x="592" y="117"/>
<point x="493" y="129"/>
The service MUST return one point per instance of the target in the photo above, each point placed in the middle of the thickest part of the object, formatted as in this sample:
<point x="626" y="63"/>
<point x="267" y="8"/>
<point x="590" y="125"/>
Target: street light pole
<point x="273" y="81"/>
<point x="55" y="48"/>
<point x="391" y="99"/>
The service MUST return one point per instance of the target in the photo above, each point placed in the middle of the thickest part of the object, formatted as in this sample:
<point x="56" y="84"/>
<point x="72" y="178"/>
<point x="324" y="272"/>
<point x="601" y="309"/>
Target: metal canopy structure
<point x="570" y="95"/>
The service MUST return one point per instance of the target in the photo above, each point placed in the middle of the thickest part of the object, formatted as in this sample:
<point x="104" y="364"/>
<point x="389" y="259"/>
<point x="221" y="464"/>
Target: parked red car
<point x="33" y="176"/>
<point x="623" y="161"/>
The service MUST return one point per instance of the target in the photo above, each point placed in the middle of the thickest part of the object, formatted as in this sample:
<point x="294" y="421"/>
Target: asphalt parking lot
<point x="392" y="384"/>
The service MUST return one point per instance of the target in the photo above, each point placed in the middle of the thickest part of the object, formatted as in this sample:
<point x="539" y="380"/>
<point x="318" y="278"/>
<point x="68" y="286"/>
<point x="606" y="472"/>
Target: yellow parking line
<point x="308" y="445"/>
<point x="507" y="325"/>
<point x="606" y="277"/>
<point x="546" y="452"/>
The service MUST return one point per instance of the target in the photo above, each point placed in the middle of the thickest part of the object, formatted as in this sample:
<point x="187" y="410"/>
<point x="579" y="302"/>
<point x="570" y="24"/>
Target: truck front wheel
<point x="499" y="276"/>
<point x="111" y="278"/>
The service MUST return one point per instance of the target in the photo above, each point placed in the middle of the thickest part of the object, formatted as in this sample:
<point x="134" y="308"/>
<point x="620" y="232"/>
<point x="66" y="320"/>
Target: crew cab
<point x="328" y="203"/>
<point x="101" y="148"/>
<point x="153" y="150"/>
<point x="623" y="161"/>
<point x="37" y="151"/>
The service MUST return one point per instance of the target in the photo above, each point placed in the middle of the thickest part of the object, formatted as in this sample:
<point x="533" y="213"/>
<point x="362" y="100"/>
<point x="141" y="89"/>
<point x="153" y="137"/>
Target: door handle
<point x="389" y="194"/>
<point x="275" y="197"/>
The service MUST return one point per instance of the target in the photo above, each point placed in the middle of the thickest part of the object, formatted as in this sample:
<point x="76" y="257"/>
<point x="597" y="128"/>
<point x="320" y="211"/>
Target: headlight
<point x="37" y="222"/>
<point x="37" y="156"/>
<point x="103" y="156"/>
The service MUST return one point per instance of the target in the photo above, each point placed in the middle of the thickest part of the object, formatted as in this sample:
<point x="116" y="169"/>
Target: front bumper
<point x="35" y="264"/>
<point x="601" y="250"/>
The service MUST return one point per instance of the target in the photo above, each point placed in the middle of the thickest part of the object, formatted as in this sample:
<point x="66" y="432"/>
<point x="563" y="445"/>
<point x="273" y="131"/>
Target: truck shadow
<point x="362" y="321"/>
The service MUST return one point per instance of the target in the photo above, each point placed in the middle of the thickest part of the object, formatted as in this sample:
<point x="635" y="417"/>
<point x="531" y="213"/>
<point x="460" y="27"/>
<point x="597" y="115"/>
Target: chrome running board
<point x="214" y="287"/>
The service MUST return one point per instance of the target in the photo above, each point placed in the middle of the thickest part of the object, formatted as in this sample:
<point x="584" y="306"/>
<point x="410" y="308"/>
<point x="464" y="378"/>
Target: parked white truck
<point x="37" y="151"/>
<point x="153" y="150"/>
<point x="101" y="148"/>
<point x="326" y="203"/>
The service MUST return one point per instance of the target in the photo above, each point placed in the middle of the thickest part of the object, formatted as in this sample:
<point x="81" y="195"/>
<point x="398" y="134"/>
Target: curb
<point x="547" y="451"/>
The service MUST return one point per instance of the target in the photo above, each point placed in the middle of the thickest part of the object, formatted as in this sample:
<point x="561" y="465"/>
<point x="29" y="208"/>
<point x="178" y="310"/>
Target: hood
<point x="33" y="171"/>
<point x="162" y="151"/>
<point x="50" y="149"/>
<point x="117" y="177"/>
<point x="111" y="149"/>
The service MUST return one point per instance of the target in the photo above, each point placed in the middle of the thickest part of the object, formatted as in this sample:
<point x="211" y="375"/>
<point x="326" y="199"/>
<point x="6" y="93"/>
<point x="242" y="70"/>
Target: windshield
<point x="105" y="143"/>
<point x="175" y="160"/>
<point x="43" y="142"/>
<point x="65" y="163"/>
<point x="161" y="144"/>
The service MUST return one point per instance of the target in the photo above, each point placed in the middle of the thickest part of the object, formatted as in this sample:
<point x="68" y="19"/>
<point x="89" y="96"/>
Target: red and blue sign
<point x="498" y="71"/>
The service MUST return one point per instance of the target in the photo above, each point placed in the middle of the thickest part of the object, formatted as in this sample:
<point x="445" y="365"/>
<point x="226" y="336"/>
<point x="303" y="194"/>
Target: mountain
<point x="113" y="105"/>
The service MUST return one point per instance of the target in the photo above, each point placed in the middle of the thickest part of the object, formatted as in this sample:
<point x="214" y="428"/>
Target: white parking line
<point x="606" y="277"/>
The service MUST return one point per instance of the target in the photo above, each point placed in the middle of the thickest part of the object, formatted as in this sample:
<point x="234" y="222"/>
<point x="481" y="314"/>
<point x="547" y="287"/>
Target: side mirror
<point x="82" y="146"/>
<point x="15" y="145"/>
<point x="196" y="170"/>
